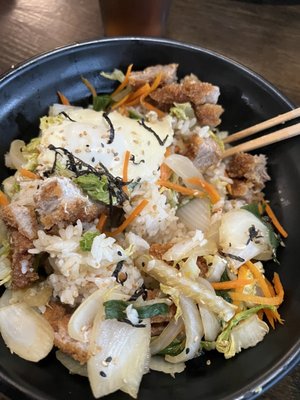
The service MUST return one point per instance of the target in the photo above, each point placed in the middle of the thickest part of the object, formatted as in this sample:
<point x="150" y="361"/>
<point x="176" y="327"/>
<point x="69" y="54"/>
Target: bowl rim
<point x="292" y="357"/>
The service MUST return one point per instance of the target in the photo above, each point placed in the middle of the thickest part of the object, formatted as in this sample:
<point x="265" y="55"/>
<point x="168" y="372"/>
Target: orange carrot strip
<point x="231" y="284"/>
<point x="181" y="189"/>
<point x="165" y="171"/>
<point x="138" y="209"/>
<point x="63" y="99"/>
<point x="272" y="291"/>
<point x="266" y="291"/>
<point x="242" y="274"/>
<point x="150" y="107"/>
<point x="101" y="222"/>
<point x="125" y="81"/>
<point x="28" y="174"/>
<point x="120" y="102"/>
<point x="125" y="169"/>
<point x="271" y="301"/>
<point x="229" y="188"/>
<point x="278" y="286"/>
<point x="3" y="199"/>
<point x="89" y="86"/>
<point x="208" y="187"/>
<point x="275" y="221"/>
<point x="134" y="98"/>
<point x="156" y="82"/>
<point x="260" y="314"/>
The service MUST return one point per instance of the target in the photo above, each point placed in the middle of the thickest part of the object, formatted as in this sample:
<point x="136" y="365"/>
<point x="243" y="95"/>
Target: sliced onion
<point x="193" y="331"/>
<point x="119" y="356"/>
<point x="26" y="332"/>
<point x="196" y="214"/>
<point x="73" y="366"/>
<point x="5" y="298"/>
<point x="158" y="363"/>
<point x="234" y="237"/>
<point x="183" y="167"/>
<point x="83" y="317"/>
<point x="170" y="333"/>
<point x="211" y="324"/>
<point x="216" y="268"/>
<point x="14" y="158"/>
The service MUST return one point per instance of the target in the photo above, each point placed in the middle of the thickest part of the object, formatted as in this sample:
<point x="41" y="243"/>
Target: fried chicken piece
<point x="249" y="175"/>
<point x="209" y="114"/>
<point x="203" y="152"/>
<point x="139" y="78"/>
<point x="23" y="274"/>
<point x="157" y="250"/>
<point x="59" y="200"/>
<point x="58" y="317"/>
<point x="21" y="218"/>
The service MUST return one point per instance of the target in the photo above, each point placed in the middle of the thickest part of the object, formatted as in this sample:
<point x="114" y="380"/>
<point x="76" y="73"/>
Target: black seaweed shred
<point x="253" y="234"/>
<point x="161" y="142"/>
<point x="142" y="291"/>
<point x="233" y="257"/>
<point x="118" y="268"/>
<point x="79" y="168"/>
<point x="67" y="116"/>
<point x="111" y="128"/>
<point x="132" y="158"/>
<point x="127" y="321"/>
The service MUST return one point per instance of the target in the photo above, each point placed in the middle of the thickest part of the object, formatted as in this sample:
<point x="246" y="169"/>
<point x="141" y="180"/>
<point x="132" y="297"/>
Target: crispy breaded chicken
<point x="203" y="152"/>
<point x="58" y="200"/>
<point x="21" y="218"/>
<point x="139" y="78"/>
<point x="58" y="317"/>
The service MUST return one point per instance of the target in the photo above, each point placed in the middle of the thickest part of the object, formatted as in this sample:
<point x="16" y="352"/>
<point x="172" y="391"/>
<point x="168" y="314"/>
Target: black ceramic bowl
<point x="25" y="95"/>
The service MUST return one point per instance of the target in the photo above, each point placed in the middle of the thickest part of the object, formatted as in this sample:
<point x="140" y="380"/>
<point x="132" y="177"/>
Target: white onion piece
<point x="14" y="158"/>
<point x="216" y="268"/>
<point x="82" y="319"/>
<point x="211" y="324"/>
<point x="193" y="331"/>
<point x="234" y="236"/>
<point x="5" y="298"/>
<point x="26" y="332"/>
<point x="120" y="355"/>
<point x="183" y="167"/>
<point x="73" y="366"/>
<point x="158" y="363"/>
<point x="196" y="214"/>
<point x="170" y="333"/>
<point x="170" y="276"/>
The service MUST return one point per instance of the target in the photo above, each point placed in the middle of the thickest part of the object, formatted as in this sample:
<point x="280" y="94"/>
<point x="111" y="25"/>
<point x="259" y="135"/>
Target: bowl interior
<point x="25" y="95"/>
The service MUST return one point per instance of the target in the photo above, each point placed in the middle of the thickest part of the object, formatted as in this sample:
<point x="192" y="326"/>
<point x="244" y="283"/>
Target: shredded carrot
<point x="208" y="187"/>
<point x="260" y="314"/>
<point x="156" y="82"/>
<point x="63" y="99"/>
<point x="120" y="102"/>
<point x="138" y="209"/>
<point x="266" y="292"/>
<point x="89" y="86"/>
<point x="165" y="171"/>
<point x="28" y="174"/>
<point x="232" y="284"/>
<point x="101" y="222"/>
<point x="242" y="274"/>
<point x="278" y="286"/>
<point x="125" y="169"/>
<point x="271" y="301"/>
<point x="272" y="291"/>
<point x="181" y="189"/>
<point x="275" y="221"/>
<point x="150" y="107"/>
<point x="125" y="81"/>
<point x="134" y="98"/>
<point x="3" y="199"/>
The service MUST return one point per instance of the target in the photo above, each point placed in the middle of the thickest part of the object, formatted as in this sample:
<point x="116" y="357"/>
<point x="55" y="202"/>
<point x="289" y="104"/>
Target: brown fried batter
<point x="58" y="316"/>
<point x="209" y="114"/>
<point x="23" y="274"/>
<point x="240" y="164"/>
<point x="21" y="218"/>
<point x="203" y="152"/>
<point x="139" y="78"/>
<point x="157" y="250"/>
<point x="58" y="200"/>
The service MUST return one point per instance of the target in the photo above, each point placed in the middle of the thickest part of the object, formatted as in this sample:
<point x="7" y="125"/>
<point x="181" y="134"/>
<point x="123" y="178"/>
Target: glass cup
<point x="134" y="17"/>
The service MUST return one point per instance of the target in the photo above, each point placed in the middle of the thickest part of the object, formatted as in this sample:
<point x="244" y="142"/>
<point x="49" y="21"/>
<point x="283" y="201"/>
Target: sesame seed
<point x="117" y="159"/>
<point x="143" y="264"/>
<point x="187" y="350"/>
<point x="87" y="145"/>
<point x="196" y="338"/>
<point x="93" y="159"/>
<point x="119" y="253"/>
<point x="208" y="362"/>
<point x="103" y="374"/>
<point x="109" y="359"/>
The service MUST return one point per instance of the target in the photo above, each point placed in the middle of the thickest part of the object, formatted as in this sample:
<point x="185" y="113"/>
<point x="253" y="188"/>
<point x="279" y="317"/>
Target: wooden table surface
<point x="264" y="35"/>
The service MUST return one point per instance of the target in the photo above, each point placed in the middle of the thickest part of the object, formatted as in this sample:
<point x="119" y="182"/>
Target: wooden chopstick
<point x="265" y="140"/>
<point x="263" y="125"/>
